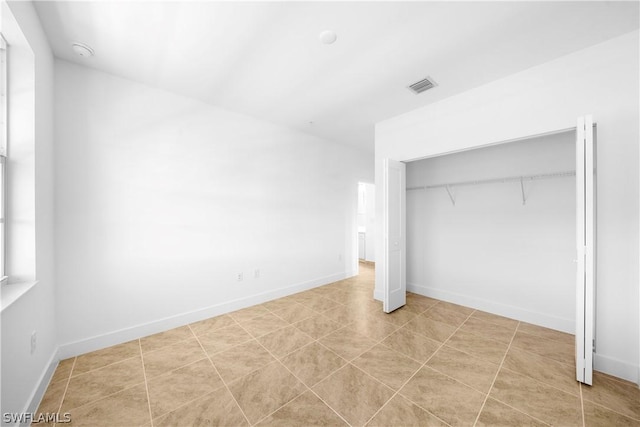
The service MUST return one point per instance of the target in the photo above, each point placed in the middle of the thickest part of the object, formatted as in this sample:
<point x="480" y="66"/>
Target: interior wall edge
<point x="108" y="339"/>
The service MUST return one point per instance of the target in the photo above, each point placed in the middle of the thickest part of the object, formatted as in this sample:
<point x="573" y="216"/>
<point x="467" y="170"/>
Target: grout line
<point x="495" y="377"/>
<point x="66" y="387"/>
<point x="418" y="370"/>
<point x="221" y="379"/>
<point x="146" y="384"/>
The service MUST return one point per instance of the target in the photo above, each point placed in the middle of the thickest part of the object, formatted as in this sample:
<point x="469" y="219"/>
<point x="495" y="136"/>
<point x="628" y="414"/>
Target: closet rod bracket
<point x="452" y="195"/>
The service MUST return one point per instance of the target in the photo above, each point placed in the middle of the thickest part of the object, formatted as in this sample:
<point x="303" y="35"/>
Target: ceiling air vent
<point x="422" y="85"/>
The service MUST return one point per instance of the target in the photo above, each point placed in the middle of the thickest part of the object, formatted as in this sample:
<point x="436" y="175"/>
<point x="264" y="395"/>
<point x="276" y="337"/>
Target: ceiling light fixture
<point x="328" y="37"/>
<point x="82" y="49"/>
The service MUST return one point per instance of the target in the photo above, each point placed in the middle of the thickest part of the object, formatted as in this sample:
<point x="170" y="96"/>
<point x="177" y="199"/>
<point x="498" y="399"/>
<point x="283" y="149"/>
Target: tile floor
<point x="330" y="356"/>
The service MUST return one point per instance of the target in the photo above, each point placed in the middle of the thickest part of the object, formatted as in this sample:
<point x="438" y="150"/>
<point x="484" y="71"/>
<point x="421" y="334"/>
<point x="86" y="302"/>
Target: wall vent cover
<point x="423" y="85"/>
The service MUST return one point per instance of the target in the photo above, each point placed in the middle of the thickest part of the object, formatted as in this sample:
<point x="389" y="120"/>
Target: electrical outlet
<point x="34" y="338"/>
<point x="256" y="273"/>
<point x="240" y="277"/>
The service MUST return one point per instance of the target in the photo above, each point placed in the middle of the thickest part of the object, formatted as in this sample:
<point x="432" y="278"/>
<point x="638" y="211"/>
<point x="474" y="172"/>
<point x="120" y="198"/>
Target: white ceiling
<point x="264" y="58"/>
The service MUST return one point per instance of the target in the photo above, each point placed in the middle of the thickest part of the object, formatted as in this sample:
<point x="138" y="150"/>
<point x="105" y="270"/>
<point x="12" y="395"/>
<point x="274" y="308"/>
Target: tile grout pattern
<point x="330" y="356"/>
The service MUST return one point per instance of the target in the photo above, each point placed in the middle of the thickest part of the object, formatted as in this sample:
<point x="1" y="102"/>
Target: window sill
<point x="12" y="292"/>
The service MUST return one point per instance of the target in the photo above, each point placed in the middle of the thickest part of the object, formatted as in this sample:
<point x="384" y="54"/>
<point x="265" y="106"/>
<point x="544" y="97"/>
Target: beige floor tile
<point x="547" y="333"/>
<point x="543" y="369"/>
<point x="478" y="346"/>
<point x="172" y="357"/>
<point x="469" y="370"/>
<point x="172" y="336"/>
<point x="621" y="397"/>
<point x="295" y="313"/>
<point x="262" y="325"/>
<point x="324" y="291"/>
<point x="401" y="412"/>
<point x="537" y="399"/>
<point x="128" y="407"/>
<point x="494" y="318"/>
<point x="52" y="398"/>
<point x="387" y="366"/>
<point x="284" y="341"/>
<point x="373" y="327"/>
<point x="497" y="414"/>
<point x="209" y="325"/>
<point x="556" y="350"/>
<point x="455" y="307"/>
<point x="444" y="315"/>
<point x="430" y="328"/>
<point x="347" y="343"/>
<point x="353" y="394"/>
<point x="278" y="304"/>
<point x="265" y="390"/>
<point x="97" y="359"/>
<point x="217" y="408"/>
<point x="400" y="316"/>
<point x="343" y="315"/>
<point x="418" y="303"/>
<point x="313" y="363"/>
<point x="488" y="330"/>
<point x="599" y="416"/>
<point x="446" y="398"/>
<point x="319" y="304"/>
<point x="411" y="344"/>
<point x="317" y="326"/>
<point x="174" y="389"/>
<point x="224" y="338"/>
<point x="361" y="304"/>
<point x="241" y="360"/>
<point x="305" y="410"/>
<point x="249" y="313"/>
<point x="63" y="370"/>
<point x="102" y="382"/>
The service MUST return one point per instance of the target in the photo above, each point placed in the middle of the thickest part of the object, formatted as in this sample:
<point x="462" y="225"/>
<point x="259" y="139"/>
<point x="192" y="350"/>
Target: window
<point x="3" y="152"/>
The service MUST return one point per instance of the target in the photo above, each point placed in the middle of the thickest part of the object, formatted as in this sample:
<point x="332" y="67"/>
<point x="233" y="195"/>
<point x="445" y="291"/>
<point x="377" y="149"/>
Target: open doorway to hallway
<point x="366" y="222"/>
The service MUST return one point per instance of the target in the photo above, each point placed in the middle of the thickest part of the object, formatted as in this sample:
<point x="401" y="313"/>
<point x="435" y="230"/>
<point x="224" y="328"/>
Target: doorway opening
<point x="366" y="223"/>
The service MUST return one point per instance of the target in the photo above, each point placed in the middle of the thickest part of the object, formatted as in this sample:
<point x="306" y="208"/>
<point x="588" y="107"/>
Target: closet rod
<point x="498" y="180"/>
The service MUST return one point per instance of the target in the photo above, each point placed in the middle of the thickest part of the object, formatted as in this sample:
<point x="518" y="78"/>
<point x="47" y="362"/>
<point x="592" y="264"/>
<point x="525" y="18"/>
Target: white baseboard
<point x="41" y="387"/>
<point x="513" y="312"/>
<point x="616" y="368"/>
<point x="134" y="332"/>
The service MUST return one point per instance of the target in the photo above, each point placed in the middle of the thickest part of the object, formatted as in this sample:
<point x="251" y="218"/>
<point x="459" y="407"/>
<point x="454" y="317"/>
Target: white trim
<point x="560" y="324"/>
<point x="12" y="292"/>
<point x="43" y="383"/>
<point x="617" y="368"/>
<point x="127" y="334"/>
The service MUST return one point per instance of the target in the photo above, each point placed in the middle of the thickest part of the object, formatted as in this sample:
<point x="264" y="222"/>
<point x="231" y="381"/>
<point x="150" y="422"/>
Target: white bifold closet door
<point x="585" y="243"/>
<point x="394" y="233"/>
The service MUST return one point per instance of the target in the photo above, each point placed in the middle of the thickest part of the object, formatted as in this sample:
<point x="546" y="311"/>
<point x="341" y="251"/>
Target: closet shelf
<point x="519" y="178"/>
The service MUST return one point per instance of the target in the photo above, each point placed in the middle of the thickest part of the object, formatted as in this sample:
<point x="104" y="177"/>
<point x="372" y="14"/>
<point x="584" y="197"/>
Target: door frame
<point x="588" y="324"/>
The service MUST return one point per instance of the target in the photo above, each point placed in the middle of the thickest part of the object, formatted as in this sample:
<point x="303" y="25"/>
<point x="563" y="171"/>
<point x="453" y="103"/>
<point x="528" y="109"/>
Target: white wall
<point x="162" y="200"/>
<point x="489" y="249"/>
<point x="602" y="80"/>
<point x="25" y="375"/>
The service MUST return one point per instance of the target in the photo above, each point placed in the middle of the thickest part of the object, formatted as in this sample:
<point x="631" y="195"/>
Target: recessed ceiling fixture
<point x="82" y="49"/>
<point x="327" y="37"/>
<point x="424" y="84"/>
